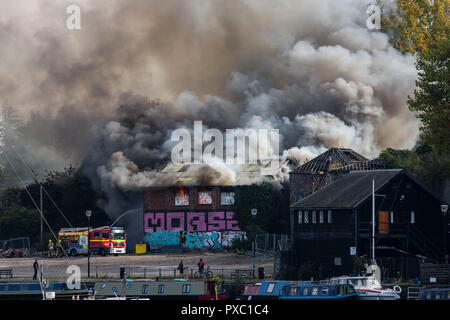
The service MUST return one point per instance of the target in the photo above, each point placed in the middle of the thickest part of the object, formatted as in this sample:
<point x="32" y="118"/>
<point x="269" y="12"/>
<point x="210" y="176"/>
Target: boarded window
<point x="300" y="217"/>
<point x="330" y="216"/>
<point x="205" y="197"/>
<point x="383" y="222"/>
<point x="306" y="217"/>
<point x="182" y="198"/>
<point x="314" y="217"/>
<point x="321" y="216"/>
<point x="337" y="261"/>
<point x="226" y="198"/>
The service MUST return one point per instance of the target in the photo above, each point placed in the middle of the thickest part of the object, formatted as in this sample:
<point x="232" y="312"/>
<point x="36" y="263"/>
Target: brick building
<point x="190" y="209"/>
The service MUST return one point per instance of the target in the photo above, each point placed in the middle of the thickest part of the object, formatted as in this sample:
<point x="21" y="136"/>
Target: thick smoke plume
<point x="110" y="95"/>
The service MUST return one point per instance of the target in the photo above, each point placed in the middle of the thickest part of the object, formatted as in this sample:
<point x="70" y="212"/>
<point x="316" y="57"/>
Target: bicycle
<point x="205" y="274"/>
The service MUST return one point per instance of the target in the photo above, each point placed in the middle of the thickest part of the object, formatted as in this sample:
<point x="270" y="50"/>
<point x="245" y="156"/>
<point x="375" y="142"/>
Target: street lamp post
<point x="444" y="209"/>
<point x="254" y="212"/>
<point x="88" y="215"/>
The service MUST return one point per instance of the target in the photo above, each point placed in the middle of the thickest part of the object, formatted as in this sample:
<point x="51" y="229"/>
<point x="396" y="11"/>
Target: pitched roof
<point x="190" y="174"/>
<point x="332" y="159"/>
<point x="347" y="191"/>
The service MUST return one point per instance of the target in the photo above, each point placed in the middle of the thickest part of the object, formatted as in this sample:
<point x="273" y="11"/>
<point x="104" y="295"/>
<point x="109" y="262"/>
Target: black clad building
<point x="332" y="226"/>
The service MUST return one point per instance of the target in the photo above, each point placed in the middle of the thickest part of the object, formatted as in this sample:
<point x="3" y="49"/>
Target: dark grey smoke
<point x="309" y="68"/>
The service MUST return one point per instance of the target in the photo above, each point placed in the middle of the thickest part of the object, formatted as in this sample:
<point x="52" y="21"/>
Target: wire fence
<point x="16" y="243"/>
<point x="272" y="243"/>
<point x="143" y="272"/>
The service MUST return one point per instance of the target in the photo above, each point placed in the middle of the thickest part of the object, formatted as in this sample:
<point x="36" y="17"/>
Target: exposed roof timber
<point x="333" y="159"/>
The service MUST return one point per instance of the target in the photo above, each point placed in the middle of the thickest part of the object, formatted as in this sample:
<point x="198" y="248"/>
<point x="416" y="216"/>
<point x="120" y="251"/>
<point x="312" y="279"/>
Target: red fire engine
<point x="102" y="240"/>
<point x="106" y="240"/>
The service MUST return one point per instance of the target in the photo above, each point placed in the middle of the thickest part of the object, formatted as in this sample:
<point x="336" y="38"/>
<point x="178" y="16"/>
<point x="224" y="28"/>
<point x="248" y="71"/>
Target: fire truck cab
<point x="100" y="240"/>
<point x="107" y="240"/>
<point x="118" y="241"/>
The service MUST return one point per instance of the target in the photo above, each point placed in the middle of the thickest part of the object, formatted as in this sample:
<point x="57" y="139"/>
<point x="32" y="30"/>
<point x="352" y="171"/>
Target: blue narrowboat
<point x="434" y="294"/>
<point x="319" y="291"/>
<point x="33" y="291"/>
<point x="275" y="290"/>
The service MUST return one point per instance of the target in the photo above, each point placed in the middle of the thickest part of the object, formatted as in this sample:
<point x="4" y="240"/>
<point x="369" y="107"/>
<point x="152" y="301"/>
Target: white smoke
<point x="310" y="69"/>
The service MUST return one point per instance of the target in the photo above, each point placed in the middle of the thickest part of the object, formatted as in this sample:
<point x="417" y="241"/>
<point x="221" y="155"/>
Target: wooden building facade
<point x="332" y="226"/>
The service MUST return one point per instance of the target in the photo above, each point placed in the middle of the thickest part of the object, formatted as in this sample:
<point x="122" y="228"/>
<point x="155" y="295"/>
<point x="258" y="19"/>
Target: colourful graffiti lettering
<point x="190" y="221"/>
<point x="155" y="221"/>
<point x="175" y="221"/>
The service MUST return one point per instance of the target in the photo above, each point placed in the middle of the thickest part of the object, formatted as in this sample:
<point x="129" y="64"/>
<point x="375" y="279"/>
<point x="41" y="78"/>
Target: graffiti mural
<point x="229" y="236"/>
<point x="202" y="240"/>
<point x="190" y="221"/>
<point x="163" y="238"/>
<point x="192" y="230"/>
<point x="193" y="240"/>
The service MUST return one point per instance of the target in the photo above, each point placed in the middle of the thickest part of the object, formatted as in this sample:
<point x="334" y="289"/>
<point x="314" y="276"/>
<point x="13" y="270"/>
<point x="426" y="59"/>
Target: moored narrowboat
<point x="318" y="291"/>
<point x="434" y="294"/>
<point x="34" y="291"/>
<point x="178" y="289"/>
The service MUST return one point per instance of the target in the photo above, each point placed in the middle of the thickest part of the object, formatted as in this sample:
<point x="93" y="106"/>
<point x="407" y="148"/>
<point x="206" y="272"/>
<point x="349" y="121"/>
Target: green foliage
<point x="241" y="246"/>
<point x="70" y="190"/>
<point x="272" y="216"/>
<point x="20" y="222"/>
<point x="429" y="167"/>
<point x="431" y="97"/>
<point x="417" y="24"/>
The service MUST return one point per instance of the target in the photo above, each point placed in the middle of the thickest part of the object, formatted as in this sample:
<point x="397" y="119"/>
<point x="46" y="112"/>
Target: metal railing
<point x="144" y="272"/>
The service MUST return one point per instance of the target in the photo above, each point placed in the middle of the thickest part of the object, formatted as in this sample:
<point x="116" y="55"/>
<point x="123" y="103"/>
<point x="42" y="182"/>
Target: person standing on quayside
<point x="181" y="268"/>
<point x="35" y="267"/>
<point x="201" y="266"/>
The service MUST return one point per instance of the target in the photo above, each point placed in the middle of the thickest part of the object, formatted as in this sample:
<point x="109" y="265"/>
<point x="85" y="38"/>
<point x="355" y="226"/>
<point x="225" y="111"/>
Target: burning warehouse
<point x="193" y="211"/>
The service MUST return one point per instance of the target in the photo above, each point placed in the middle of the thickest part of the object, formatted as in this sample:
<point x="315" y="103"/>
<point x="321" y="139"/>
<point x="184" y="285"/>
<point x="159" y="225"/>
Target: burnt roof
<point x="333" y="159"/>
<point x="348" y="191"/>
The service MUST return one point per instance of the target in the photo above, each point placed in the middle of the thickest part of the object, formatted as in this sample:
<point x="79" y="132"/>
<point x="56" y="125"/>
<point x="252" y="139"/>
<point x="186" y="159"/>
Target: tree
<point x="20" y="222"/>
<point x="70" y="190"/>
<point x="429" y="167"/>
<point x="271" y="203"/>
<point x="431" y="96"/>
<point x="417" y="24"/>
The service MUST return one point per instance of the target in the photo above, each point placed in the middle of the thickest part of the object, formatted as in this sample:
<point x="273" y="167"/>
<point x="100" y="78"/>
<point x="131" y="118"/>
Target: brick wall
<point x="164" y="200"/>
